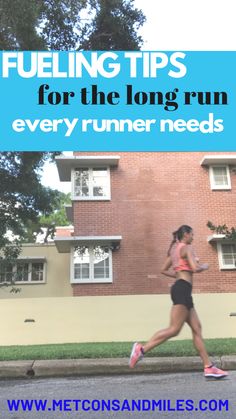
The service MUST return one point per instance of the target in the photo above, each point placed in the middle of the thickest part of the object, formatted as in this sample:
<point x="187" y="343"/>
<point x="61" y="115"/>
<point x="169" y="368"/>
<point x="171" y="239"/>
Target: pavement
<point x="111" y="366"/>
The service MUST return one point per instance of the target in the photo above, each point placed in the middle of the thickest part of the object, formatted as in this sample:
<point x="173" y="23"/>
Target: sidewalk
<point x="111" y="366"/>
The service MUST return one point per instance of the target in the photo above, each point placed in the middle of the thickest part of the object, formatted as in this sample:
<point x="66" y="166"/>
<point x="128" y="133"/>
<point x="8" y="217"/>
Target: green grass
<point x="215" y="347"/>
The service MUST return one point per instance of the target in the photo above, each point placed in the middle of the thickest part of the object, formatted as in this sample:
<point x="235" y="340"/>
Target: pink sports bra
<point x="179" y="263"/>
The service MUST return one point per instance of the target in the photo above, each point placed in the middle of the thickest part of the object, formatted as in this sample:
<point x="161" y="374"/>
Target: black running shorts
<point x="181" y="293"/>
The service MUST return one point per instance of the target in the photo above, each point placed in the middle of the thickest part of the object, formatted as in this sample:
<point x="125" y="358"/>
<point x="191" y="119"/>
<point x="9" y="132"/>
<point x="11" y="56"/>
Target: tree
<point x="39" y="24"/>
<point x="114" y="26"/>
<point x="46" y="224"/>
<point x="230" y="233"/>
<point x="25" y="205"/>
<point x="18" y="23"/>
<point x="59" y="25"/>
<point x="22" y="197"/>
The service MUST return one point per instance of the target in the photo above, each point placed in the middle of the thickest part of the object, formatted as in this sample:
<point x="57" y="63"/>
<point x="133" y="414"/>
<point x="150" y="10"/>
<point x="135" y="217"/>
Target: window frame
<point x="30" y="262"/>
<point x="7" y="272"/>
<point x="91" y="279"/>
<point x="220" y="255"/>
<point x="212" y="179"/>
<point x="90" y="197"/>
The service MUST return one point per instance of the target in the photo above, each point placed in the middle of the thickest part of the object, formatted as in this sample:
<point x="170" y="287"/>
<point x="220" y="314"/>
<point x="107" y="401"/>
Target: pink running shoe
<point x="214" y="372"/>
<point x="136" y="354"/>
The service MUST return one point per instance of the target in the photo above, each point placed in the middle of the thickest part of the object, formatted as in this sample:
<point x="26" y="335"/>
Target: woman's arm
<point x="166" y="266"/>
<point x="196" y="268"/>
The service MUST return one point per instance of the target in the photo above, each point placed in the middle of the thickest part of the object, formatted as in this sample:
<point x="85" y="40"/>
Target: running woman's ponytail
<point x="178" y="235"/>
<point x="173" y="242"/>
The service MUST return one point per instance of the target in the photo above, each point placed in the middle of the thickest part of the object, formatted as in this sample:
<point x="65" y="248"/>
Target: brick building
<point x="101" y="282"/>
<point x="125" y="207"/>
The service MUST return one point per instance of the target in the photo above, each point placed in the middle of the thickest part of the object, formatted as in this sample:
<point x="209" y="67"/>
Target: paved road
<point x="168" y="387"/>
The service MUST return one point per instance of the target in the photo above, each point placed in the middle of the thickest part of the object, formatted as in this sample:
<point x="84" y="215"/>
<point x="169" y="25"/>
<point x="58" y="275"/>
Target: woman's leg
<point x="178" y="316"/>
<point x="194" y="323"/>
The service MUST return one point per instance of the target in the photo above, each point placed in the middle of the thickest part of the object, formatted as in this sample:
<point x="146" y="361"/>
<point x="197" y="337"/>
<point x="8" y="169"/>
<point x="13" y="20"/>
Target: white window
<point x="220" y="177"/>
<point x="91" y="183"/>
<point x="23" y="272"/>
<point x="227" y="255"/>
<point x="91" y="264"/>
<point x="6" y="273"/>
<point x="30" y="272"/>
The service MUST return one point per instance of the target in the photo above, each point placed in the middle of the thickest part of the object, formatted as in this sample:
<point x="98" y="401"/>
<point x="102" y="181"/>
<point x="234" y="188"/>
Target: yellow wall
<point x="101" y="319"/>
<point x="57" y="274"/>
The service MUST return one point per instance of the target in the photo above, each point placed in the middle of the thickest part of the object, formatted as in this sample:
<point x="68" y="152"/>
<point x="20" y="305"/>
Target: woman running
<point x="184" y="263"/>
